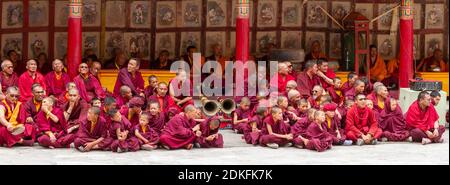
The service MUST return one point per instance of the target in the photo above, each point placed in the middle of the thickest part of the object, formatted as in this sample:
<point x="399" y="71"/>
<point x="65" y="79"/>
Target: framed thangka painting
<point x="417" y="12"/>
<point x="189" y="39"/>
<point x="11" y="42"/>
<point x="263" y="38"/>
<point x="37" y="43"/>
<point x="113" y="40"/>
<point x="314" y="36"/>
<point x="191" y="13"/>
<point x="115" y="14"/>
<point x="165" y="41"/>
<point x="292" y="13"/>
<point x="38" y="14"/>
<point x="434" y="16"/>
<point x="140" y="14"/>
<point x="432" y="42"/>
<point x="365" y="9"/>
<point x="416" y="48"/>
<point x="91" y="13"/>
<point x="213" y="38"/>
<point x="387" y="46"/>
<point x="137" y="45"/>
<point x="315" y="17"/>
<point x="385" y="22"/>
<point x="12" y="14"/>
<point x="267" y="13"/>
<point x="60" y="44"/>
<point x="91" y="40"/>
<point x="339" y="10"/>
<point x="166" y="15"/>
<point x="217" y="13"/>
<point x="335" y="45"/>
<point x="61" y="13"/>
<point x="291" y="39"/>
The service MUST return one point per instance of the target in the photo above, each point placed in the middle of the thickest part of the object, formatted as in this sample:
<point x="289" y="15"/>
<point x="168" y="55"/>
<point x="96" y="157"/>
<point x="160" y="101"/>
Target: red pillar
<point x="74" y="37"/>
<point x="242" y="30"/>
<point x="406" y="43"/>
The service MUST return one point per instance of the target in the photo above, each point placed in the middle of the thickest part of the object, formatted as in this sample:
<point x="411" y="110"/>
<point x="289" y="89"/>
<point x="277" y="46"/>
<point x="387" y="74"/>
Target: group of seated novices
<point x="311" y="109"/>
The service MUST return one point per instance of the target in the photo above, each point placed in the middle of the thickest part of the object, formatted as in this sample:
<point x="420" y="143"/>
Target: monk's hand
<point x="289" y="136"/>
<point x="29" y="120"/>
<point x="142" y="94"/>
<point x="196" y="127"/>
<point x="88" y="146"/>
<point x="52" y="138"/>
<point x="10" y="127"/>
<point x="338" y="135"/>
<point x="436" y="133"/>
<point x="198" y="133"/>
<point x="429" y="134"/>
<point x="210" y="138"/>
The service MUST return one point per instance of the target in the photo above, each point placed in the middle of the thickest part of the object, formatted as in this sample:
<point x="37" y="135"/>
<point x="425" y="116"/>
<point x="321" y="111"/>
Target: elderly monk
<point x="57" y="79"/>
<point x="434" y="63"/>
<point x="377" y="66"/>
<point x="87" y="84"/>
<point x="10" y="133"/>
<point x="361" y="125"/>
<point x="422" y="121"/>
<point x="325" y="73"/>
<point x="307" y="79"/>
<point x="293" y="97"/>
<point x="181" y="131"/>
<point x="351" y="79"/>
<point x="125" y="95"/>
<point x="393" y="123"/>
<point x="130" y="77"/>
<point x="28" y="78"/>
<point x="30" y="109"/>
<point x="95" y="70"/>
<point x="315" y="99"/>
<point x="380" y="97"/>
<point x="92" y="133"/>
<point x="210" y="138"/>
<point x="291" y="85"/>
<point x="358" y="88"/>
<point x="275" y="131"/>
<point x="52" y="126"/>
<point x="162" y="97"/>
<point x="279" y="80"/>
<point x="74" y="110"/>
<point x="8" y="77"/>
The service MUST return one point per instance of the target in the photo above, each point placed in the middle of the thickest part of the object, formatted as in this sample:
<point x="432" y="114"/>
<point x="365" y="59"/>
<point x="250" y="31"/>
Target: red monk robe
<point x="135" y="83"/>
<point x="419" y="121"/>
<point x="89" y="87"/>
<point x="361" y="121"/>
<point x="130" y="143"/>
<point x="59" y="129"/>
<point x="165" y="103"/>
<point x="314" y="103"/>
<point x="62" y="99"/>
<point x="217" y="142"/>
<point x="178" y="132"/>
<point x="378" y="105"/>
<point x="241" y="127"/>
<point x="89" y="133"/>
<point x="280" y="82"/>
<point x="346" y="87"/>
<point x="157" y="122"/>
<point x="331" y="75"/>
<point x="299" y="129"/>
<point x="56" y="84"/>
<point x="79" y="112"/>
<point x="319" y="138"/>
<point x="182" y="88"/>
<point x="148" y="133"/>
<point x="26" y="81"/>
<point x="11" y="115"/>
<point x="334" y="124"/>
<point x="336" y="95"/>
<point x="305" y="84"/>
<point x="31" y="109"/>
<point x="251" y="136"/>
<point x="393" y="124"/>
<point x="278" y="127"/>
<point x="8" y="80"/>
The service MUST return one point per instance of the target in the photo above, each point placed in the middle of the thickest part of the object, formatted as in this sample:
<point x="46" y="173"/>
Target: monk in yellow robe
<point x="377" y="66"/>
<point x="434" y="63"/>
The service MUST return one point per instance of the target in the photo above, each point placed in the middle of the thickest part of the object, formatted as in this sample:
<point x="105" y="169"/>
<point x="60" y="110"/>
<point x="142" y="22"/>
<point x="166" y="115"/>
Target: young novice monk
<point x="298" y="130"/>
<point x="255" y="124"/>
<point x="333" y="123"/>
<point x="241" y="115"/>
<point x="318" y="138"/>
<point x="157" y="119"/>
<point x="335" y="91"/>
<point x="92" y="132"/>
<point x="119" y="133"/>
<point x="275" y="132"/>
<point x="148" y="138"/>
<point x="210" y="138"/>
<point x="303" y="107"/>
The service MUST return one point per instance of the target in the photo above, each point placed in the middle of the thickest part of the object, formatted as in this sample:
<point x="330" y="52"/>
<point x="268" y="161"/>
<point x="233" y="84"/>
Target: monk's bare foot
<point x="166" y="147"/>
<point x="51" y="147"/>
<point x="287" y="145"/>
<point x="359" y="142"/>
<point x="299" y="146"/>
<point x="189" y="146"/>
<point x="409" y="139"/>
<point x="425" y="141"/>
<point x="148" y="147"/>
<point x="273" y="145"/>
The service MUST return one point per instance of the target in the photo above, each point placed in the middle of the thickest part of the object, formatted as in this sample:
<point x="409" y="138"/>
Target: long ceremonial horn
<point x="228" y="105"/>
<point x="210" y="107"/>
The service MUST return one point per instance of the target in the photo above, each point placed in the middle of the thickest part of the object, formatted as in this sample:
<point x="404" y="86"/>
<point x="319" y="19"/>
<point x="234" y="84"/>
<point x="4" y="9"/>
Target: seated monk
<point x="279" y="80"/>
<point x="315" y="99"/>
<point x="182" y="130"/>
<point x="133" y="110"/>
<point x="163" y="98"/>
<point x="157" y="119"/>
<point x="124" y="97"/>
<point x="52" y="126"/>
<point x="335" y="91"/>
<point x="422" y="121"/>
<point x="379" y="97"/>
<point x="315" y="53"/>
<point x="218" y="57"/>
<point x="291" y="85"/>
<point x="255" y="124"/>
<point x="358" y="88"/>
<point x="30" y="109"/>
<point x="325" y="73"/>
<point x="293" y="97"/>
<point x="11" y="131"/>
<point x="64" y="96"/>
<point x="288" y="116"/>
<point x="393" y="123"/>
<point x="333" y="123"/>
<point x="298" y="130"/>
<point x="57" y="79"/>
<point x="241" y="116"/>
<point x="180" y="89"/>
<point x="121" y="140"/>
<point x="109" y="104"/>
<point x="74" y="110"/>
<point x="291" y="70"/>
<point x="131" y="77"/>
<point x="148" y="138"/>
<point x="307" y="79"/>
<point x="435" y="97"/>
<point x="92" y="132"/>
<point x="275" y="131"/>
<point x="88" y="85"/>
<point x="28" y="78"/>
<point x="368" y="86"/>
<point x="317" y="136"/>
<point x="434" y="63"/>
<point x="210" y="137"/>
<point x="361" y="125"/>
<point x="162" y="62"/>
<point x="152" y="85"/>
<point x="392" y="71"/>
<point x="351" y="79"/>
<point x="303" y="106"/>
<point x="8" y="77"/>
<point x="377" y="66"/>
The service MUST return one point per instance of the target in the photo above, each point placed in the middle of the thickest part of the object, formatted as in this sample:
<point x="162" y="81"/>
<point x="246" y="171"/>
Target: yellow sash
<point x="12" y="114"/>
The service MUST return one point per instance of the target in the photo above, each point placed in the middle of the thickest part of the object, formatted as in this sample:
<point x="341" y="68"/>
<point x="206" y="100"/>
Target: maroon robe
<point x="361" y="121"/>
<point x="250" y="136"/>
<point x="167" y="102"/>
<point x="59" y="129"/>
<point x="319" y="139"/>
<point x="393" y="124"/>
<point x="185" y="87"/>
<point x="120" y="101"/>
<point x="277" y="127"/>
<point x="56" y="87"/>
<point x="178" y="132"/>
<point x="136" y="83"/>
<point x="129" y="144"/>
<point x="84" y="134"/>
<point x="299" y="129"/>
<point x="419" y="121"/>
<point x="150" y="134"/>
<point x="241" y="115"/>
<point x="217" y="142"/>
<point x="28" y="109"/>
<point x="314" y="103"/>
<point x="372" y="96"/>
<point x="89" y="88"/>
<point x="334" y="96"/>
<point x="157" y="122"/>
<point x="8" y="81"/>
<point x="346" y="87"/>
<point x="305" y="84"/>
<point x="149" y="90"/>
<point x="280" y="82"/>
<point x="79" y="112"/>
<point x="331" y="75"/>
<point x="134" y="119"/>
<point x="335" y="124"/>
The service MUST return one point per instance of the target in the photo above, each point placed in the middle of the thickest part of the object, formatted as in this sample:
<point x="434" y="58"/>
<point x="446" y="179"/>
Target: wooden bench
<point x="108" y="77"/>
